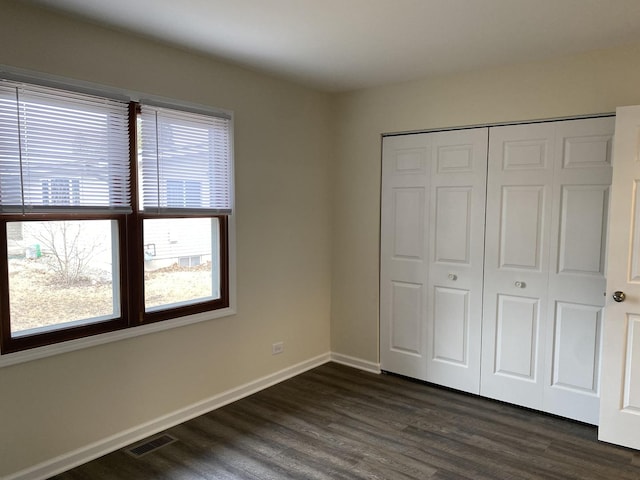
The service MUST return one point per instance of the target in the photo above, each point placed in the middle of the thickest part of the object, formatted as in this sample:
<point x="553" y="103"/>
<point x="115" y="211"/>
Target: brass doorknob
<point x="619" y="296"/>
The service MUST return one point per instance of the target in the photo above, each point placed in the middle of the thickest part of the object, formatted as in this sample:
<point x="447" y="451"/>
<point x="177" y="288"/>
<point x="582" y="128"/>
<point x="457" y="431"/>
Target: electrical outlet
<point x="277" y="348"/>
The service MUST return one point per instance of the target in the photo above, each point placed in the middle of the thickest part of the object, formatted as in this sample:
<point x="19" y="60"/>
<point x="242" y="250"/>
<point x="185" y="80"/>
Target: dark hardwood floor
<point x="335" y="422"/>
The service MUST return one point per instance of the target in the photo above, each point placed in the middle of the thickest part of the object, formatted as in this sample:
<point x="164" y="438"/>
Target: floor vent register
<point x="150" y="445"/>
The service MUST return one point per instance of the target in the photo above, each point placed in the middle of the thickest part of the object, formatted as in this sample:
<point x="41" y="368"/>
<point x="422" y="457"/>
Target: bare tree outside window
<point x="66" y="265"/>
<point x="69" y="248"/>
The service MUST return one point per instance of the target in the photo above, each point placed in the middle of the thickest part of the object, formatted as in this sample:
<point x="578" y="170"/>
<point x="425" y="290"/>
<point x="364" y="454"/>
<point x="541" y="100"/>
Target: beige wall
<point x="52" y="406"/>
<point x="290" y="284"/>
<point x="578" y="85"/>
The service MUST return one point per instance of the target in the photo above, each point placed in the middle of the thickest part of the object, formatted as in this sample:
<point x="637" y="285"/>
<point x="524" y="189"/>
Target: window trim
<point x="144" y="323"/>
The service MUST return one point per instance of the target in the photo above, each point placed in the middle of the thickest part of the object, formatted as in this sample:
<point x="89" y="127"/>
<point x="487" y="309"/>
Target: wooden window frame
<point x="131" y="269"/>
<point x="170" y="312"/>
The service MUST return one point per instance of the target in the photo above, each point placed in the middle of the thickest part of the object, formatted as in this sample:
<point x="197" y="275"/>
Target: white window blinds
<point x="62" y="150"/>
<point x="184" y="162"/>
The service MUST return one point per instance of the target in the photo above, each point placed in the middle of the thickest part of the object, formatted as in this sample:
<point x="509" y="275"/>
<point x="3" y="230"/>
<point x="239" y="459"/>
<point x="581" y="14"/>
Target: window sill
<point x="86" y="342"/>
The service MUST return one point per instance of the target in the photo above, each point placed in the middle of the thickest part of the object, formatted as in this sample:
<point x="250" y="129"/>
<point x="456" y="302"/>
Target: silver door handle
<point x="619" y="296"/>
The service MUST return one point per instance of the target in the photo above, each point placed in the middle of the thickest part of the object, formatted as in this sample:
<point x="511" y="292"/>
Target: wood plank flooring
<point x="335" y="422"/>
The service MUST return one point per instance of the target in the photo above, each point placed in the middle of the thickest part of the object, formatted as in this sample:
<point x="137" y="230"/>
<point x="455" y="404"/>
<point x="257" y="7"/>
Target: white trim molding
<point x="355" y="362"/>
<point x="115" y="442"/>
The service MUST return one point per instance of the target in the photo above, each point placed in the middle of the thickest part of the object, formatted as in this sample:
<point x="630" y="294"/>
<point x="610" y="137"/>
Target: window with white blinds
<point x="108" y="198"/>
<point x="61" y="150"/>
<point x="184" y="162"/>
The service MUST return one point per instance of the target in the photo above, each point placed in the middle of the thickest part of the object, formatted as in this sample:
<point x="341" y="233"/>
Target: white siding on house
<point x="164" y="245"/>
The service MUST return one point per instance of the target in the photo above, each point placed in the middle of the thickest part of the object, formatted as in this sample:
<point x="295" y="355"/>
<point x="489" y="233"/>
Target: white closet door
<point x="406" y="193"/>
<point x="547" y="211"/>
<point x="577" y="271"/>
<point x="432" y="240"/>
<point x="456" y="257"/>
<point x="519" y="191"/>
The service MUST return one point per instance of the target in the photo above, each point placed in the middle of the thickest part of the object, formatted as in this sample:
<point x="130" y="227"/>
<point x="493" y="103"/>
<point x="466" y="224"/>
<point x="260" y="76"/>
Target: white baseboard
<point x="355" y="362"/>
<point x="110" y="444"/>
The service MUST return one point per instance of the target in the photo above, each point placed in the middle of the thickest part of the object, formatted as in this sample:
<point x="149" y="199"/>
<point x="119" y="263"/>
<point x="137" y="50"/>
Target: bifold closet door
<point x="519" y="193"/>
<point x="547" y="204"/>
<point x="432" y="241"/>
<point x="404" y="270"/>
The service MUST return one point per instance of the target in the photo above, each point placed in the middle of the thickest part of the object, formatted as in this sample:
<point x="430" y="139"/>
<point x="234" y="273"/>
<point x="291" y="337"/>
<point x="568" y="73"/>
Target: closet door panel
<point x="453" y="225"/>
<point x="406" y="317"/>
<point x="583" y="215"/>
<point x="451" y="326"/>
<point x="577" y="268"/>
<point x="406" y="169"/>
<point x="407" y="206"/>
<point x="576" y="353"/>
<point x="517" y="337"/>
<point x="521" y="227"/>
<point x="519" y="198"/>
<point x="456" y="253"/>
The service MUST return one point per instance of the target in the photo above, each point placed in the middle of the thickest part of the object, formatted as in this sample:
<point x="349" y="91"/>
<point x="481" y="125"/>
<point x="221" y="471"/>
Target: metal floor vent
<point x="149" y="445"/>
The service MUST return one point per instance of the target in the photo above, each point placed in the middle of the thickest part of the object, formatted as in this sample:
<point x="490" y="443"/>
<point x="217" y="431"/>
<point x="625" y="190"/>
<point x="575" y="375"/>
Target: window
<point x="184" y="196"/>
<point x="115" y="214"/>
<point x="66" y="279"/>
<point x="177" y="274"/>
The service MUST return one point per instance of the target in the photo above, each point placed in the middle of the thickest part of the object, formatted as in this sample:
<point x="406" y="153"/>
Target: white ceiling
<point x="339" y="45"/>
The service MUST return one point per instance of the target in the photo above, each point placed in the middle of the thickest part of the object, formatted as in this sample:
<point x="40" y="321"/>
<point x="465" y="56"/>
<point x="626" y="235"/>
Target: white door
<point x="456" y="258"/>
<point x="620" y="400"/>
<point x="406" y="193"/>
<point x="573" y="337"/>
<point x="547" y="205"/>
<point x="519" y="199"/>
<point x="432" y="241"/>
